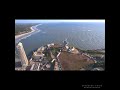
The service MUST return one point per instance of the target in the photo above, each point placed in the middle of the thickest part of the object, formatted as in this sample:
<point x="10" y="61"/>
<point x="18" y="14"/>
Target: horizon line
<point x="57" y="20"/>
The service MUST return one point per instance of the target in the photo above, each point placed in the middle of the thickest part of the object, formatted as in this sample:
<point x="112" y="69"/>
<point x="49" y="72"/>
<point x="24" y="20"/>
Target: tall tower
<point x="24" y="60"/>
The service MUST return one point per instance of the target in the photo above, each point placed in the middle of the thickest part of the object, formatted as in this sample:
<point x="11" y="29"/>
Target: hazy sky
<point x="47" y="21"/>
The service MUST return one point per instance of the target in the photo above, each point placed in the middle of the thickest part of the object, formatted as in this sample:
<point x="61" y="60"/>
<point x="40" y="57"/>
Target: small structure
<point x="32" y="66"/>
<point x="48" y="66"/>
<point x="41" y="49"/>
<point x="65" y="42"/>
<point x="37" y="55"/>
<point x="53" y="60"/>
<point x="95" y="61"/>
<point x="73" y="50"/>
<point x="49" y="45"/>
<point x="98" y="69"/>
<point x="56" y="67"/>
<point x="67" y="47"/>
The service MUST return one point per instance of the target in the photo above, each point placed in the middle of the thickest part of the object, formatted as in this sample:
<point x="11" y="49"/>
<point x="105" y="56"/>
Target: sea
<point x="85" y="36"/>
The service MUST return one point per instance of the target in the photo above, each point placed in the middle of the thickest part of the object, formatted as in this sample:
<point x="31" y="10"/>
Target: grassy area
<point x="48" y="57"/>
<point x="96" y="65"/>
<point x="93" y="52"/>
<point x="54" y="51"/>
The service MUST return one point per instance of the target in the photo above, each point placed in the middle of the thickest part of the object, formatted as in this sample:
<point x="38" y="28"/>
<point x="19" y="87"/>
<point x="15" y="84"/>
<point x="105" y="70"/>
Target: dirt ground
<point x="71" y="61"/>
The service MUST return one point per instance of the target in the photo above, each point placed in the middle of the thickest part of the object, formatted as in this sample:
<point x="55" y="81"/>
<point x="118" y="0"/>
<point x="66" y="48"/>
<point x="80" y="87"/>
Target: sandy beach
<point x="18" y="36"/>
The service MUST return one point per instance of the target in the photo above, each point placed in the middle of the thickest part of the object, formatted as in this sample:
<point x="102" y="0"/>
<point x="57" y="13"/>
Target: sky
<point x="61" y="20"/>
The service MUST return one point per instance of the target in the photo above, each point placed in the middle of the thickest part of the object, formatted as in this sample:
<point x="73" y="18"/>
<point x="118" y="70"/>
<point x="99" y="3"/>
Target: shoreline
<point x="17" y="36"/>
<point x="33" y="28"/>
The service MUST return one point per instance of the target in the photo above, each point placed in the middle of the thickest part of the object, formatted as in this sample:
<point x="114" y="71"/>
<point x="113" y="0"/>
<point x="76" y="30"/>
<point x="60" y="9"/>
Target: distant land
<point x="21" y="28"/>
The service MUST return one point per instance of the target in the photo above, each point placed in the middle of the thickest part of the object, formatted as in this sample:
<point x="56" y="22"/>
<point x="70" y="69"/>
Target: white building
<point x="49" y="45"/>
<point x="67" y="47"/>
<point x="23" y="57"/>
<point x="48" y="65"/>
<point x="72" y="49"/>
<point x="53" y="60"/>
<point x="41" y="49"/>
<point x="56" y="67"/>
<point x="37" y="55"/>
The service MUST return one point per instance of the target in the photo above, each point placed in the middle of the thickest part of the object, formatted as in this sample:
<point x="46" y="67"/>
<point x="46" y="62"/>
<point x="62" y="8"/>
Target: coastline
<point x="18" y="36"/>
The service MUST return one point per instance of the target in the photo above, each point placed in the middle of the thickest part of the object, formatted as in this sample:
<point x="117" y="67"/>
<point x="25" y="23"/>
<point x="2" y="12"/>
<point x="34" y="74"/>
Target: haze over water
<point x="86" y="36"/>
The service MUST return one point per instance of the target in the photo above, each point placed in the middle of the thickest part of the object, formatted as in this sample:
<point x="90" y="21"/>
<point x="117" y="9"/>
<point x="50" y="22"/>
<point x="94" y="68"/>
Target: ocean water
<point x="86" y="36"/>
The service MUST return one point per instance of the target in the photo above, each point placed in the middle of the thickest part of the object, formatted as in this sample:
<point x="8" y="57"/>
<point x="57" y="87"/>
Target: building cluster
<point x="67" y="48"/>
<point x="38" y="61"/>
<point x="39" y="53"/>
